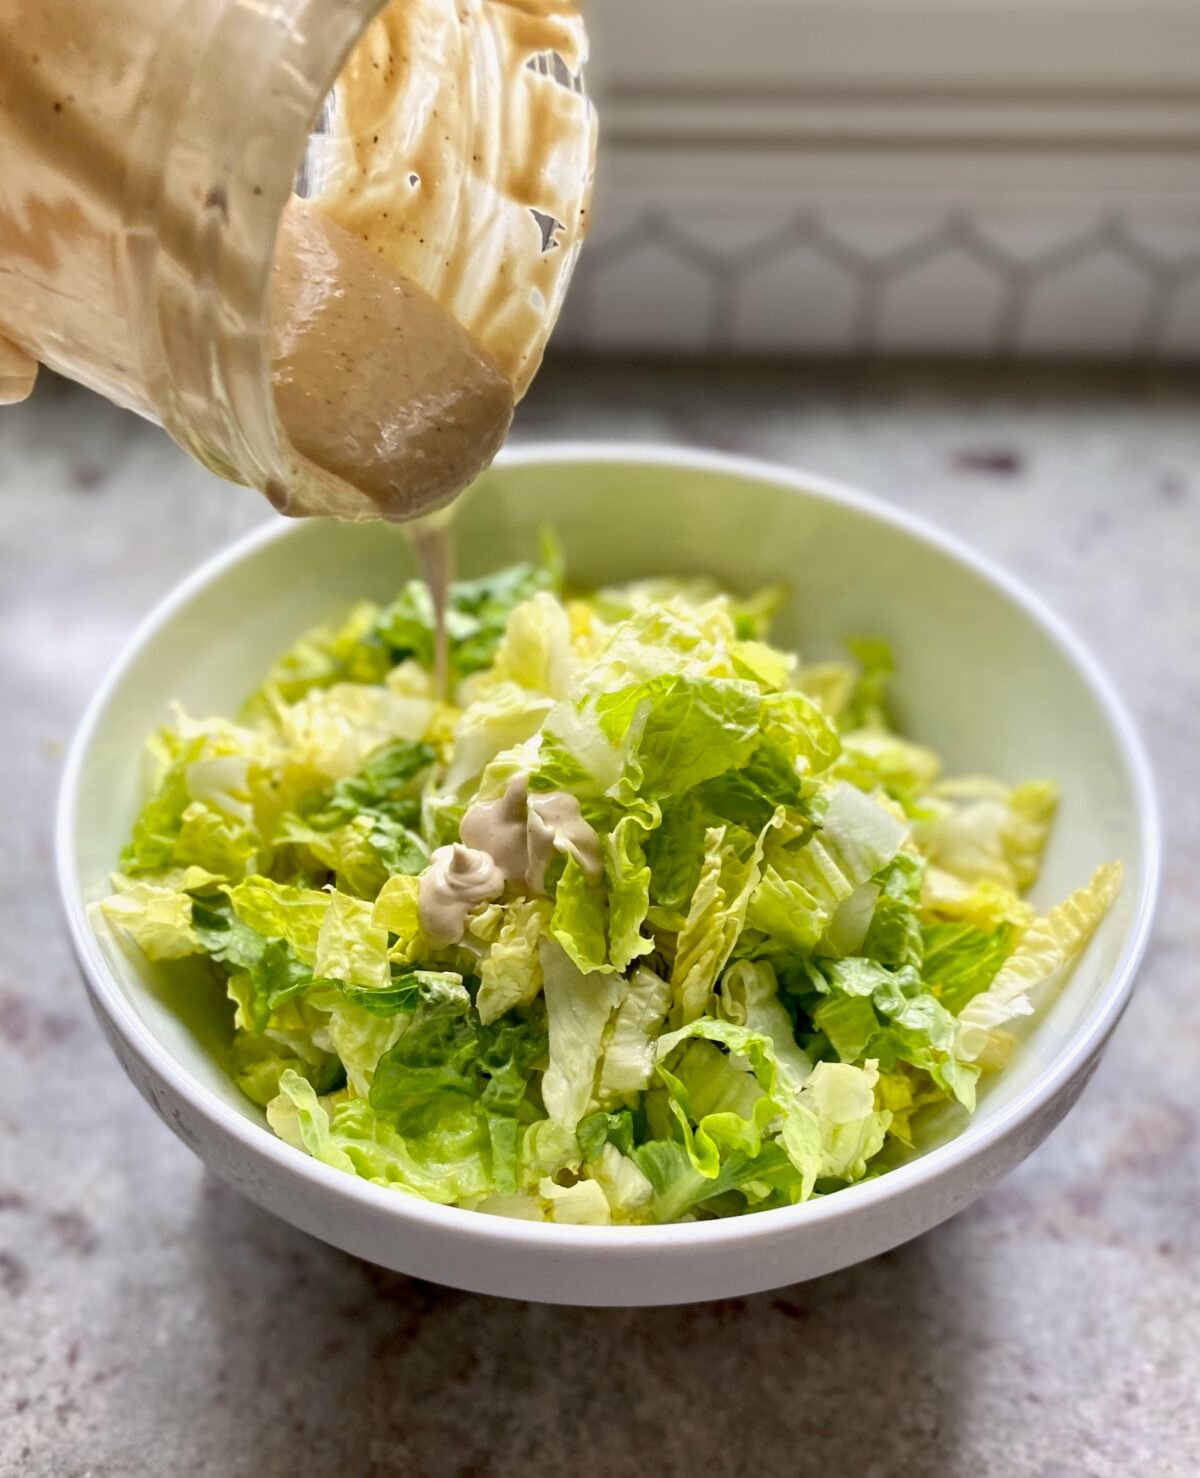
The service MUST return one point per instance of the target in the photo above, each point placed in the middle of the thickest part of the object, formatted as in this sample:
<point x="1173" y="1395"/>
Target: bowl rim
<point x="480" y="1229"/>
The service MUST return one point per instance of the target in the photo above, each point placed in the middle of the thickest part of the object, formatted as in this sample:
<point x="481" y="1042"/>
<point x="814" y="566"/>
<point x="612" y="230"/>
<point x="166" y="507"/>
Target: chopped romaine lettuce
<point x="793" y="935"/>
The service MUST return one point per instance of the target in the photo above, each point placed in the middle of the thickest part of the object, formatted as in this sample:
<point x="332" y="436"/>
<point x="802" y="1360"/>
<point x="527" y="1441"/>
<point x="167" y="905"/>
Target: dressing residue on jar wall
<point x="416" y="286"/>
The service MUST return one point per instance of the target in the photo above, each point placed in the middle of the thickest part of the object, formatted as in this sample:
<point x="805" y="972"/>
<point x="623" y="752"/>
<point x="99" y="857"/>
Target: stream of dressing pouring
<point x="417" y="281"/>
<point x="433" y="539"/>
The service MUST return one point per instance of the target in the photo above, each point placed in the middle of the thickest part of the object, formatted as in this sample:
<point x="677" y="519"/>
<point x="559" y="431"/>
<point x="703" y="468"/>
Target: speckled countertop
<point x="154" y="1324"/>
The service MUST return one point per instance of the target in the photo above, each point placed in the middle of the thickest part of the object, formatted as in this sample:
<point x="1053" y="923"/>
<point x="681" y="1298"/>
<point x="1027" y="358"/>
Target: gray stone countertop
<point x="153" y="1323"/>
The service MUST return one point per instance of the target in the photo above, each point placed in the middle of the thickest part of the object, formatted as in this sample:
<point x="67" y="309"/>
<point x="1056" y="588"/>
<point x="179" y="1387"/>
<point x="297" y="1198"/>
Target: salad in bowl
<point x="644" y="920"/>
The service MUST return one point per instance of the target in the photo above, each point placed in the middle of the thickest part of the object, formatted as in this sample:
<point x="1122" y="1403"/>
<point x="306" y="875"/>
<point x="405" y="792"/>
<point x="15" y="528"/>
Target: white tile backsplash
<point x="1097" y="304"/>
<point x="1181" y="325"/>
<point x="949" y="304"/>
<point x="947" y="281"/>
<point x="796" y="299"/>
<point x="948" y="176"/>
<point x="651" y="296"/>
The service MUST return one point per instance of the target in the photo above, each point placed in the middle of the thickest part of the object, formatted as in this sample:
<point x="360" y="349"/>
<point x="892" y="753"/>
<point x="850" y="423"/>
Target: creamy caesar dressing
<point x="433" y="540"/>
<point x="510" y="841"/>
<point x="374" y="381"/>
<point x="556" y="824"/>
<point x="522" y="832"/>
<point x="456" y="880"/>
<point x="501" y="829"/>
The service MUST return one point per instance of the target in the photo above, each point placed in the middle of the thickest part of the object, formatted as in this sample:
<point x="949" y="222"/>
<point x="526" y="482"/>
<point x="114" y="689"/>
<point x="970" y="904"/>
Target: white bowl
<point x="986" y="675"/>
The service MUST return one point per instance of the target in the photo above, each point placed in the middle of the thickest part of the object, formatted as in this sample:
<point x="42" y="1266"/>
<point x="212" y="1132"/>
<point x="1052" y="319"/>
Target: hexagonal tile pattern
<point x="1181" y="320"/>
<point x="950" y="304"/>
<point x="1171" y="242"/>
<point x="654" y="295"/>
<point x="795" y="300"/>
<point x="878" y="238"/>
<point x="1097" y="304"/>
<point x="1030" y="240"/>
<point x="952" y="282"/>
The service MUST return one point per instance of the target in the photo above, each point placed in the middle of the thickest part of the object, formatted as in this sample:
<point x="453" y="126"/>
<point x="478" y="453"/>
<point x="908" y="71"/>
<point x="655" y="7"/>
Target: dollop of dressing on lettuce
<point x="522" y="832"/>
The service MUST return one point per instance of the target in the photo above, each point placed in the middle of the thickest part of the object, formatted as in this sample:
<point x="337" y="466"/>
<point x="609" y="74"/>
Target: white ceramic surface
<point x="985" y="674"/>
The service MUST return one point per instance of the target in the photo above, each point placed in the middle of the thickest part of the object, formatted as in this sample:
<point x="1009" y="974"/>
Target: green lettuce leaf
<point x="860" y="835"/>
<point x="548" y="1148"/>
<point x="715" y="918"/>
<point x="406" y="992"/>
<point x="359" y="1035"/>
<point x="835" y="1130"/>
<point x="579" y="921"/>
<point x="579" y="1007"/>
<point x="601" y="1128"/>
<point x="329" y="654"/>
<point x="831" y="1128"/>
<point x="477" y="615"/>
<point x="675" y="853"/>
<point x="628" y="887"/>
<point x="507" y="1054"/>
<point x="889" y="1015"/>
<point x="720" y="1108"/>
<point x="986" y="905"/>
<point x="438" y="1055"/>
<point x="850" y="921"/>
<point x="157" y="916"/>
<point x="875" y="759"/>
<point x="581" y="1204"/>
<point x="830" y="685"/>
<point x="499" y="722"/>
<point x="511" y="972"/>
<point x="387" y="785"/>
<point x="867" y="705"/>
<point x="749" y="797"/>
<point x="258" y="1063"/>
<point x="982" y="831"/>
<point x="849" y="1023"/>
<point x="785" y="911"/>
<point x="961" y="960"/>
<point x="268" y="970"/>
<point x="1043" y="957"/>
<point x="447" y="1071"/>
<point x="677" y="1186"/>
<point x="894" y="935"/>
<point x="535" y="651"/>
<point x="447" y="1162"/>
<point x="629" y="1057"/>
<point x="203" y="774"/>
<point x="398" y="911"/>
<point x="348" y="851"/>
<point x="350" y="946"/>
<point x="280" y="911"/>
<point x="626" y="1186"/>
<point x="332" y="734"/>
<point x="749" y="998"/>
<point x="799" y="728"/>
<point x="684" y="730"/>
<point x="216" y="842"/>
